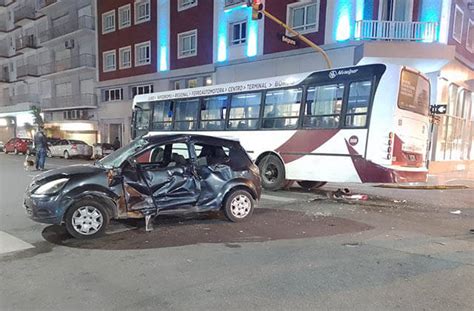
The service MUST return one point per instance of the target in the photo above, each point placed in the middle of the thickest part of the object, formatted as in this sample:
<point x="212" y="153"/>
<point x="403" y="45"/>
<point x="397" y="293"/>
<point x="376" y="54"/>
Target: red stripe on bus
<point x="304" y="141"/>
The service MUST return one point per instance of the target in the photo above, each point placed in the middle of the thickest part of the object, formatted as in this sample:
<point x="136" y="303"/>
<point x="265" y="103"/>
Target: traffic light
<point x="257" y="8"/>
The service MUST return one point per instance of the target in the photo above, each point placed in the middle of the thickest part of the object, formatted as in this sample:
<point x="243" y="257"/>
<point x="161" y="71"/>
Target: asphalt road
<point x="400" y="250"/>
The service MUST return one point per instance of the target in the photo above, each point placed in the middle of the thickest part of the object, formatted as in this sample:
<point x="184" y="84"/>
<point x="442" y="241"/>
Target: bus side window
<point x="213" y="111"/>
<point x="186" y="114"/>
<point x="162" y="115"/>
<point x="282" y="109"/>
<point x="323" y="106"/>
<point x="244" y="111"/>
<point x="358" y="104"/>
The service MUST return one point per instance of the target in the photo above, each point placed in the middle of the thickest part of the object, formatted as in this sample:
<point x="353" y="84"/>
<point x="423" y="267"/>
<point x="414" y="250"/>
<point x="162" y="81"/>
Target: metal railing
<point x="396" y="30"/>
<point x="229" y="3"/>
<point x="75" y="100"/>
<point x="83" y="22"/>
<point x="24" y="42"/>
<point x="44" y="3"/>
<point x="83" y="60"/>
<point x="26" y="12"/>
<point x="27" y="71"/>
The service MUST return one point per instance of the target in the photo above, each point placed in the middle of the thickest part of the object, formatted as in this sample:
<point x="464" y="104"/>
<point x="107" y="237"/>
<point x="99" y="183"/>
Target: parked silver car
<point x="69" y="148"/>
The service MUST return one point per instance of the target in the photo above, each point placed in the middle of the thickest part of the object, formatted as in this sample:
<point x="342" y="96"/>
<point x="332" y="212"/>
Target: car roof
<point x="192" y="137"/>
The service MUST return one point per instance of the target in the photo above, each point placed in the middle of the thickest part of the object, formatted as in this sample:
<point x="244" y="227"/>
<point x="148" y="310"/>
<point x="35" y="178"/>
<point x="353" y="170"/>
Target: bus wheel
<point x="272" y="172"/>
<point x="308" y="184"/>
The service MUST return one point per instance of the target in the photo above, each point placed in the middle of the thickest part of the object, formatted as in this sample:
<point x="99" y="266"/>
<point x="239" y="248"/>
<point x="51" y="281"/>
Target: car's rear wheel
<point x="66" y="155"/>
<point x="49" y="154"/>
<point x="272" y="171"/>
<point x="239" y="206"/>
<point x="86" y="219"/>
<point x="308" y="184"/>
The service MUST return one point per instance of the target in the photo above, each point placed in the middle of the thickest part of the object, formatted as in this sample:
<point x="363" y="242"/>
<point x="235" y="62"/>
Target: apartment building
<point x="47" y="59"/>
<point x="155" y="45"/>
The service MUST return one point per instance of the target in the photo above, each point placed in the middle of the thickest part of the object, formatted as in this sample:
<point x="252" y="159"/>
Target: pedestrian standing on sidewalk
<point x="41" y="146"/>
<point x="116" y="143"/>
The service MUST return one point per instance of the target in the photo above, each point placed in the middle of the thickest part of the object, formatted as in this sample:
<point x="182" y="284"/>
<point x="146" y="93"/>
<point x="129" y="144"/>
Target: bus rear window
<point x="414" y="94"/>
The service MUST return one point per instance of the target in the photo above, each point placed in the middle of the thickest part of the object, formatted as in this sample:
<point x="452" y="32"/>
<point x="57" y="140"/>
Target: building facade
<point x="47" y="59"/>
<point x="157" y="45"/>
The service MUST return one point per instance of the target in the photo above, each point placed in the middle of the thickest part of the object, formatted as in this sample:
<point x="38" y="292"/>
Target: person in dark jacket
<point x="116" y="143"/>
<point x="41" y="146"/>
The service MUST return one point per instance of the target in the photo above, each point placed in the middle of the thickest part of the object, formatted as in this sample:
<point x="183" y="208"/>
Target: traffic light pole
<point x="300" y="36"/>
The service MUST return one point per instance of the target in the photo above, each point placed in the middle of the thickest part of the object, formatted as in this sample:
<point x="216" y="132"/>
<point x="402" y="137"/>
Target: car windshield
<point x="79" y="142"/>
<point x="115" y="159"/>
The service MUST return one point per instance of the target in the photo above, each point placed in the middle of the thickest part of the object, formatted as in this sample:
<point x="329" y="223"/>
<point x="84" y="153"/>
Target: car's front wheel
<point x="15" y="151"/>
<point x="239" y="206"/>
<point x="86" y="219"/>
<point x="66" y="155"/>
<point x="49" y="154"/>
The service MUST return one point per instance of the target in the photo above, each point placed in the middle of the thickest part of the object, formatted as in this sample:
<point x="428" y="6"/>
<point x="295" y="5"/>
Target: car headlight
<point x="52" y="186"/>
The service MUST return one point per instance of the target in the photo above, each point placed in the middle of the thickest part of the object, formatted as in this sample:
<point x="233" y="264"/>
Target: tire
<point x="86" y="219"/>
<point x="239" y="206"/>
<point x="66" y="155"/>
<point x="49" y="154"/>
<point x="308" y="184"/>
<point x="272" y="172"/>
<point x="15" y="151"/>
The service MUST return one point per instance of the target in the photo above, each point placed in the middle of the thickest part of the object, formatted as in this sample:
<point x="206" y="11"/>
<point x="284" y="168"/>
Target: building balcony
<point x="396" y="30"/>
<point x="83" y="22"/>
<point x="24" y="98"/>
<point x="26" y="43"/>
<point x="5" y="77"/>
<point x="5" y="3"/>
<point x="70" y="101"/>
<point x="234" y="3"/>
<point x="27" y="71"/>
<point x="45" y="3"/>
<point x="79" y="61"/>
<point x="24" y="14"/>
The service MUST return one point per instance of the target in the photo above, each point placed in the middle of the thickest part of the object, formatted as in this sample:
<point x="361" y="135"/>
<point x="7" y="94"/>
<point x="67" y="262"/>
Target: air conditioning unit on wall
<point x="69" y="44"/>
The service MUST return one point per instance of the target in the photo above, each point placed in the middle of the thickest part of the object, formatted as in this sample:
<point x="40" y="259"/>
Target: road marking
<point x="277" y="198"/>
<point x="8" y="243"/>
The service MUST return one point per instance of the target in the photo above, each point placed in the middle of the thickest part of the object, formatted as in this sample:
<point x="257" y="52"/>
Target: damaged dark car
<point x="154" y="175"/>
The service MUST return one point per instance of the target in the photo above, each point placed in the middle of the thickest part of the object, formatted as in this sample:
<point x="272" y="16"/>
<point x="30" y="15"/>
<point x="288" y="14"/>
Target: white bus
<point x="357" y="124"/>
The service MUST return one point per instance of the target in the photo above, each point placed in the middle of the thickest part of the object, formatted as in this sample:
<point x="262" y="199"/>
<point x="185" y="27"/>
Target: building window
<point x="176" y="85"/>
<point x="192" y="83"/>
<point x="125" y="19"/>
<point x="113" y="94"/>
<point x="187" y="44"/>
<point x="304" y="18"/>
<point x="125" y="55"/>
<point x="458" y="24"/>
<point x="76" y="115"/>
<point x="238" y="32"/>
<point x="186" y="4"/>
<point x="470" y="37"/>
<point x="108" y="22"/>
<point x="207" y="80"/>
<point x="109" y="61"/>
<point x="142" y="11"/>
<point x="141" y="89"/>
<point x="142" y="54"/>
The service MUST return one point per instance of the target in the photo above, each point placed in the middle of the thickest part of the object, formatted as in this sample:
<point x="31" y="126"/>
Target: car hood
<point x="68" y="171"/>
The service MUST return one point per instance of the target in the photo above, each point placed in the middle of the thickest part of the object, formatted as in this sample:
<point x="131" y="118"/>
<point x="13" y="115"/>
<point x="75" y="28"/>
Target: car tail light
<point x="74" y="146"/>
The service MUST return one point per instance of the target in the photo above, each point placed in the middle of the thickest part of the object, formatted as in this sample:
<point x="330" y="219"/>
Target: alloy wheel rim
<point x="87" y="220"/>
<point x="240" y="206"/>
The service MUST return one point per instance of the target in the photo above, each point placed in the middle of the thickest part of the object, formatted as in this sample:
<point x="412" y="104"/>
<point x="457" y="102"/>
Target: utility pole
<point x="257" y="13"/>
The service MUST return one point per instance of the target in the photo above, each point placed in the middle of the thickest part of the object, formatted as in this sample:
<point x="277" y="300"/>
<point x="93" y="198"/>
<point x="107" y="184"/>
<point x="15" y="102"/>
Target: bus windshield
<point x="414" y="93"/>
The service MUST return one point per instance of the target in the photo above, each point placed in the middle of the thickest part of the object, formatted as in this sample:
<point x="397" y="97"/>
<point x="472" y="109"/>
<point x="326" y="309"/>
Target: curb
<point x="423" y="187"/>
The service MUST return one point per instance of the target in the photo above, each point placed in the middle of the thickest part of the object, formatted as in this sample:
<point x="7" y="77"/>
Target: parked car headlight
<point x="52" y="186"/>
